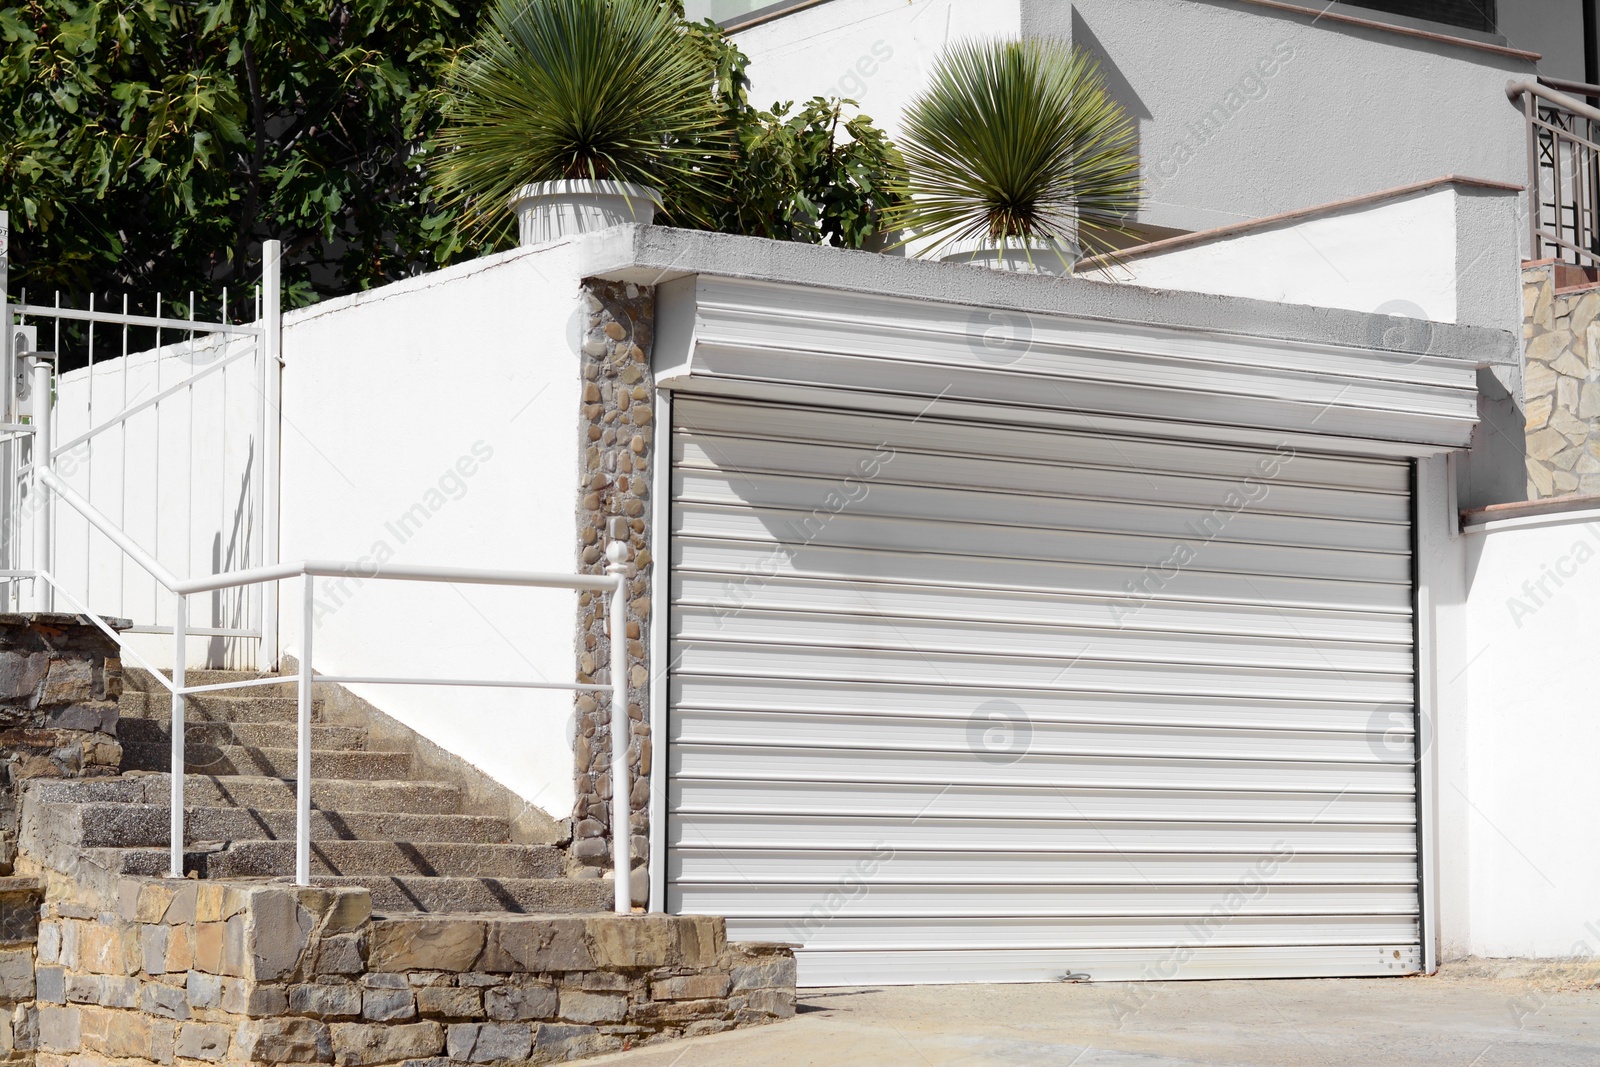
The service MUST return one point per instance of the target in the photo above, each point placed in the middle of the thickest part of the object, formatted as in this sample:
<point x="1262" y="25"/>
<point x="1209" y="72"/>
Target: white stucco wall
<point x="1553" y="28"/>
<point x="1447" y="253"/>
<point x="1398" y="255"/>
<point x="876" y="52"/>
<point x="1247" y="111"/>
<point x="1243" y="111"/>
<point x="451" y="399"/>
<point x="1532" y="627"/>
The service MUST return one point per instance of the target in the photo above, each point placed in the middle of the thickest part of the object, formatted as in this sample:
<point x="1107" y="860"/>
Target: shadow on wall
<point x="1121" y="89"/>
<point x="1496" y="467"/>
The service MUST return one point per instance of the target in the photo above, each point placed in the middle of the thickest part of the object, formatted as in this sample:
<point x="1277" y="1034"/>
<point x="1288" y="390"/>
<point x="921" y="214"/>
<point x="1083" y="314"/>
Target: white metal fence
<point x="167" y="423"/>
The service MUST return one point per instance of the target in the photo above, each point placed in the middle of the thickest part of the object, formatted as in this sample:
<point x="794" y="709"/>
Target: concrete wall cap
<point x="651" y="255"/>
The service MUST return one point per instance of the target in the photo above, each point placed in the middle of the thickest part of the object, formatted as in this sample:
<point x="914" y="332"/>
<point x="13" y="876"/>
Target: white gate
<point x="166" y="422"/>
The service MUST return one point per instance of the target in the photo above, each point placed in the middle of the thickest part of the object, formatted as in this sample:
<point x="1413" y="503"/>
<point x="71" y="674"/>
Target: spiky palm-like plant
<point x="1016" y="142"/>
<point x="609" y="90"/>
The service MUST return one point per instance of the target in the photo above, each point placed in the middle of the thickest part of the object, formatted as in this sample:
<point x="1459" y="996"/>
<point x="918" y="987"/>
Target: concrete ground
<point x="1473" y="1014"/>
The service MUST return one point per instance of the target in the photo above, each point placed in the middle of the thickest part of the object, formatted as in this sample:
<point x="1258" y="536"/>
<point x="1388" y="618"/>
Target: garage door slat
<point x="1185" y="956"/>
<point x="701" y="419"/>
<point x="743" y="797"/>
<point x="727" y="593"/>
<point x="850" y="530"/>
<point x="931" y="699"/>
<point x="1072" y="670"/>
<point x="826" y="869"/>
<point x="867" y="629"/>
<point x="909" y="733"/>
<point x="886" y="898"/>
<point x="800" y="832"/>
<point x="743" y="760"/>
<point x="1131" y="587"/>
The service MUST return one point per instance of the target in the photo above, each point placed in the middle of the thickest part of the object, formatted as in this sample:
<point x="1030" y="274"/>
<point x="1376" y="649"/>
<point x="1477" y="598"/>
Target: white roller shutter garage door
<point x="964" y="701"/>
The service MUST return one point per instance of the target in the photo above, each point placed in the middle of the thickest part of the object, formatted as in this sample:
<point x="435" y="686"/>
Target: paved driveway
<point x="1467" y="1016"/>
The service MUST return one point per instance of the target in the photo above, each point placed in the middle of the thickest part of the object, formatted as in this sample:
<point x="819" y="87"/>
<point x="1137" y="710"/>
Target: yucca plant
<point x="610" y="90"/>
<point x="1015" y="143"/>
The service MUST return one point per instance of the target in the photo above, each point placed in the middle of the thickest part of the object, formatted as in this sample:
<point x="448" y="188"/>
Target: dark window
<point x="1468" y="14"/>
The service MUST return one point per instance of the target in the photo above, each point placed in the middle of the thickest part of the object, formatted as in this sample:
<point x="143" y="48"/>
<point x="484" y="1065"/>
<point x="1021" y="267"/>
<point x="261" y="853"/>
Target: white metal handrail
<point x="614" y="582"/>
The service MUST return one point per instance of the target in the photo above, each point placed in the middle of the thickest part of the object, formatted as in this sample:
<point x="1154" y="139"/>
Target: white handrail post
<point x="271" y="428"/>
<point x="180" y="655"/>
<point x="621" y="787"/>
<point x="39" y="372"/>
<point x="302" y="772"/>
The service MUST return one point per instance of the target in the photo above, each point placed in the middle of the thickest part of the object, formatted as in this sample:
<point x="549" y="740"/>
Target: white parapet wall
<point x="1532" y="625"/>
<point x="1444" y="250"/>
<point x="877" y="53"/>
<point x="435" y="422"/>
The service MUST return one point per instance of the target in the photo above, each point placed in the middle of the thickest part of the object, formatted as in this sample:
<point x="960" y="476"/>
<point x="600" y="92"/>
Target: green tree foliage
<point x="814" y="176"/>
<point x="154" y="144"/>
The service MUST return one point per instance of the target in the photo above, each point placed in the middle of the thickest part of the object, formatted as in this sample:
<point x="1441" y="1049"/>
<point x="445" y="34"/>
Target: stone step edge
<point x="275" y="753"/>
<point x="59" y="791"/>
<point x="190" y="809"/>
<point x="198" y="857"/>
<point x="257" y="779"/>
<point x="498" y="942"/>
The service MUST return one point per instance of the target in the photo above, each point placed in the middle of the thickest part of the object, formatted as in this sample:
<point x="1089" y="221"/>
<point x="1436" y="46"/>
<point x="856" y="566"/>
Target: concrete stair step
<point x="271" y="762"/>
<point x="406" y="893"/>
<point x="253" y="791"/>
<point x="114" y="825"/>
<point x="357" y="861"/>
<point x="146" y="861"/>
<point x="352" y="859"/>
<point x="401" y="893"/>
<point x="248" y="734"/>
<point x="270" y="859"/>
<point x="140" y="680"/>
<point x="216" y="707"/>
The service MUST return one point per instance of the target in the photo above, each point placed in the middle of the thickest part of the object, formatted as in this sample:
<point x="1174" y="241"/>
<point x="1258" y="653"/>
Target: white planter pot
<point x="1022" y="257"/>
<point x="549" y="211"/>
<point x="887" y="243"/>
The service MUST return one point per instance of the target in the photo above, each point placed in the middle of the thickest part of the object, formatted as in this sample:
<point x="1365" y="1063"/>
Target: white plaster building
<point x="1186" y="617"/>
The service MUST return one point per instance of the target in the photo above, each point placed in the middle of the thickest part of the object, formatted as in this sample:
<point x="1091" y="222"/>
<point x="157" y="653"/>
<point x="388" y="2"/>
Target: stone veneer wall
<point x="1561" y="353"/>
<point x="140" y="970"/>
<point x="60" y="677"/>
<point x="19" y="930"/>
<point x="617" y="423"/>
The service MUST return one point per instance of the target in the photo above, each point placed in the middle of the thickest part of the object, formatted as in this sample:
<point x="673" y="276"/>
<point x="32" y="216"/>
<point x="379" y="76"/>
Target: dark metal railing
<point x="1563" y="170"/>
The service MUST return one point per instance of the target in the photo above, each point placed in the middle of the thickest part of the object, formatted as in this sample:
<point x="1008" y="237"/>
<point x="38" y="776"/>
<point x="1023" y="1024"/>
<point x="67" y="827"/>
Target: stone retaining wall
<point x="60" y="677"/>
<point x="165" y="971"/>
<point x="1561" y="352"/>
<point x="618" y="427"/>
<point x="19" y="929"/>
